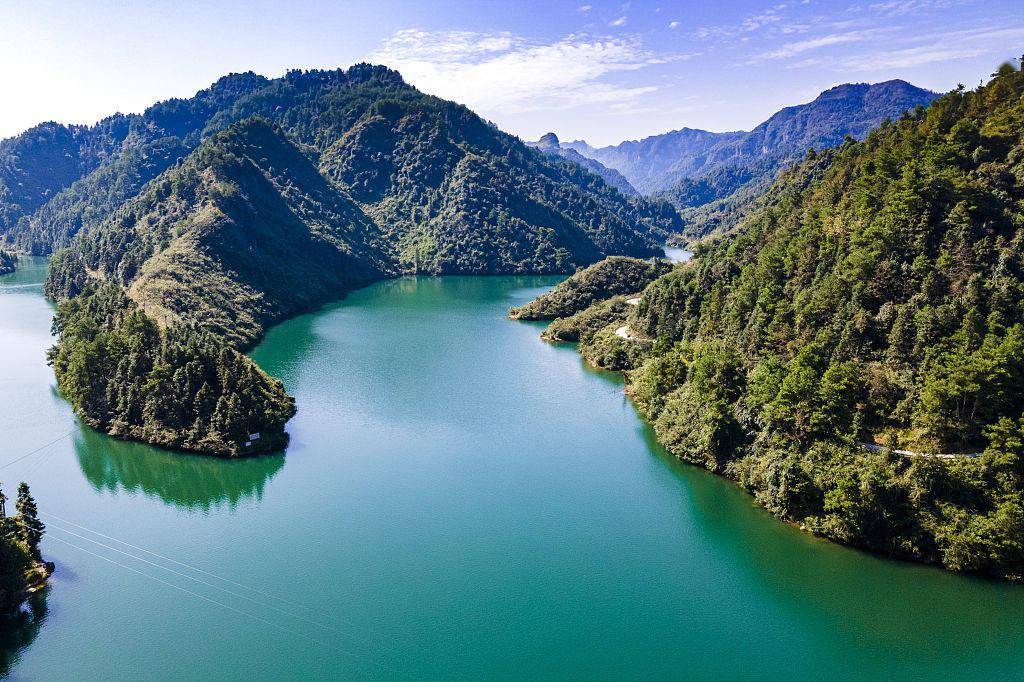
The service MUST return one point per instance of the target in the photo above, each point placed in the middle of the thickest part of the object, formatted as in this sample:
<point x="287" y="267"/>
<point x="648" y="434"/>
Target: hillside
<point x="258" y="223"/>
<point x="694" y="167"/>
<point x="174" y="386"/>
<point x="54" y="179"/>
<point x="242" y="234"/>
<point x="407" y="157"/>
<point x="879" y="301"/>
<point x="611" y="277"/>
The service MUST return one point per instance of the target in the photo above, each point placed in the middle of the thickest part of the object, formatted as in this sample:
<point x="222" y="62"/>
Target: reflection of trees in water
<point x="18" y="631"/>
<point x="895" y="606"/>
<point x="190" y="481"/>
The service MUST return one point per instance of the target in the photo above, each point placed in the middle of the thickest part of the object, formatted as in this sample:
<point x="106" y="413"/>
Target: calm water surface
<point x="459" y="499"/>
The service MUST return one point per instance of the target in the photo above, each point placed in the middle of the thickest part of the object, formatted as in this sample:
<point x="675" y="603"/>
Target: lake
<point x="459" y="499"/>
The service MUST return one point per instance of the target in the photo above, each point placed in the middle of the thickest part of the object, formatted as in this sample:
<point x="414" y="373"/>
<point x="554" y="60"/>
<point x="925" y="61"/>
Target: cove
<point x="458" y="499"/>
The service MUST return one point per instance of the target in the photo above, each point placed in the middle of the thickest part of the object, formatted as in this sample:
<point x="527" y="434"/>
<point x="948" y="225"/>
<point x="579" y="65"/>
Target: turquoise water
<point x="459" y="499"/>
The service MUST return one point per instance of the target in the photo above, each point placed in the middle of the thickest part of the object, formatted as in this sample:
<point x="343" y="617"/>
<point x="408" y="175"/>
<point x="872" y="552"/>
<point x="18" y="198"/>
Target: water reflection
<point x="194" y="482"/>
<point x="20" y="630"/>
<point x="890" y="604"/>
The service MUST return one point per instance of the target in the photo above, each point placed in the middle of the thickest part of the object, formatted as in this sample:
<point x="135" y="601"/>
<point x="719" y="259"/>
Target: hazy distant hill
<point x="549" y="144"/>
<point x="693" y="167"/>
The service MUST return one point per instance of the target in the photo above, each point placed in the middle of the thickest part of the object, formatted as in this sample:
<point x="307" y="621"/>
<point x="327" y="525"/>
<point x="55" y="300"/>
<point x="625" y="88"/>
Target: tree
<point x="28" y="518"/>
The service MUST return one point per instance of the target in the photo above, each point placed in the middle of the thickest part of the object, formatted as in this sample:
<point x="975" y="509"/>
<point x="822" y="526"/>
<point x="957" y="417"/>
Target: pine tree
<point x="28" y="518"/>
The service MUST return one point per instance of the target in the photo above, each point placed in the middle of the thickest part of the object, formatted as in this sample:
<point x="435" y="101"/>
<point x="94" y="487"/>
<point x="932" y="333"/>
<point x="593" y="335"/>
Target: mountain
<point x="651" y="163"/>
<point x="693" y="167"/>
<point x="869" y="314"/>
<point x="549" y="144"/>
<point x="611" y="277"/>
<point x="316" y="184"/>
<point x="316" y="109"/>
<point x="55" y="178"/>
<point x="243" y="233"/>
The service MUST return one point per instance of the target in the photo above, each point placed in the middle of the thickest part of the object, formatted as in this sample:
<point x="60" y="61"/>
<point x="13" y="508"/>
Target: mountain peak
<point x="548" y="141"/>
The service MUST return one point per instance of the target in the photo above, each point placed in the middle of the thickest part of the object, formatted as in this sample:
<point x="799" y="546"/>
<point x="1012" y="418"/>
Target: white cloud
<point x="792" y="49"/>
<point x="502" y="73"/>
<point x="621" y="21"/>
<point x="584" y="8"/>
<point x="673" y="24"/>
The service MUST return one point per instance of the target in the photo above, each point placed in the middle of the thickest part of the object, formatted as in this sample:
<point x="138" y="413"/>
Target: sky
<point x="599" y="71"/>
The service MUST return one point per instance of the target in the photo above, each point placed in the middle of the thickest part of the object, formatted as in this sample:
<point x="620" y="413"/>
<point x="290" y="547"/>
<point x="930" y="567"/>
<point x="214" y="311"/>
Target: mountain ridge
<point x="691" y="167"/>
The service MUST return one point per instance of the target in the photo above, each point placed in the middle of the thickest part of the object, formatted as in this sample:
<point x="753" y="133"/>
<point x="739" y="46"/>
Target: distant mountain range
<point x="549" y="144"/>
<point x="691" y="167"/>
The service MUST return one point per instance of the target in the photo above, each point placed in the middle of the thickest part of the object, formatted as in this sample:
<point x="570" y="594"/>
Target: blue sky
<point x="602" y="71"/>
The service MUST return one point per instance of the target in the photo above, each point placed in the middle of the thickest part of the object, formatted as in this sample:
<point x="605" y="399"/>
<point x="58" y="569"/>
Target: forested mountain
<point x="404" y="155"/>
<point x="244" y="232"/>
<point x="876" y="296"/>
<point x="174" y="385"/>
<point x="613" y="276"/>
<point x="317" y="183"/>
<point x="76" y="175"/>
<point x="549" y="144"/>
<point x="693" y="167"/>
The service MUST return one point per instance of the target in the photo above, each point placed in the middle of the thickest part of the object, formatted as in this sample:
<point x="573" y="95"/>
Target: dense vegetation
<point x="612" y="276"/>
<point x="21" y="565"/>
<point x="881" y="301"/>
<point x="412" y="161"/>
<point x="241" y="234"/>
<point x="691" y="168"/>
<point x="175" y="386"/>
<point x="55" y="179"/>
<point x="8" y="261"/>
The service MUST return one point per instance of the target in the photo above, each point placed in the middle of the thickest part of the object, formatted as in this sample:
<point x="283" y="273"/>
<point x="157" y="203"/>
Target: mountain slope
<point x="395" y="149"/>
<point x="244" y="233"/>
<point x="878" y="302"/>
<point x="257" y="224"/>
<point x="651" y="163"/>
<point x="54" y="179"/>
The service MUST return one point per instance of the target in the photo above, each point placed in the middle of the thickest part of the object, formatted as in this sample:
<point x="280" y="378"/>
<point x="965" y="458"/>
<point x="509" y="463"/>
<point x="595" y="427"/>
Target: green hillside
<point x="611" y="277"/>
<point x="881" y="302"/>
<point x="411" y="159"/>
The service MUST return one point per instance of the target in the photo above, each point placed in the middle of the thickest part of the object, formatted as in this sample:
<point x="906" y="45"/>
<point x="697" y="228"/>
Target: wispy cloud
<point x="769" y="17"/>
<point x="673" y="24"/>
<point x="924" y="49"/>
<point x="621" y="21"/>
<point x="902" y="7"/>
<point x="793" y="49"/>
<point x="502" y="72"/>
<point x="584" y="8"/>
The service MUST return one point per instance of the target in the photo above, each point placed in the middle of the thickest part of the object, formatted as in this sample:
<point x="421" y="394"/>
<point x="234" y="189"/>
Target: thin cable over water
<point x="201" y="596"/>
<point x="176" y="562"/>
<point x="189" y="577"/>
<point x="40" y="448"/>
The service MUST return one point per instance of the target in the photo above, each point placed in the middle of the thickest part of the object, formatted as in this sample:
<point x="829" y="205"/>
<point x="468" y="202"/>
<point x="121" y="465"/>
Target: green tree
<point x="28" y="520"/>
